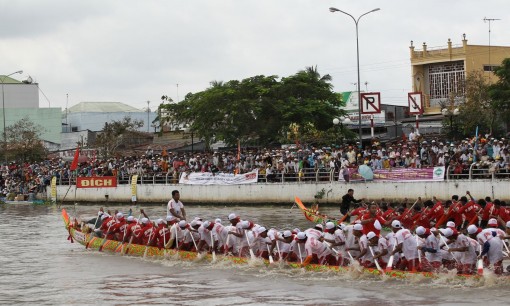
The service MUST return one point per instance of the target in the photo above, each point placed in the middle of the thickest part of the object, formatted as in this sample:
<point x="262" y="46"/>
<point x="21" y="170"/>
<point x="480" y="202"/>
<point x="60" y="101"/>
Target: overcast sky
<point x="133" y="51"/>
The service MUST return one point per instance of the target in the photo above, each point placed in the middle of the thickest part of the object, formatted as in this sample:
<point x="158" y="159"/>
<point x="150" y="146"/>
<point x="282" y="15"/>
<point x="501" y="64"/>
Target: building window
<point x="445" y="79"/>
<point x="490" y="67"/>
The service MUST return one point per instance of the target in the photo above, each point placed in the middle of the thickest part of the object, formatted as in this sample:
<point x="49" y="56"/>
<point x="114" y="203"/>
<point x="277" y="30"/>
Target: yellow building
<point x="439" y="72"/>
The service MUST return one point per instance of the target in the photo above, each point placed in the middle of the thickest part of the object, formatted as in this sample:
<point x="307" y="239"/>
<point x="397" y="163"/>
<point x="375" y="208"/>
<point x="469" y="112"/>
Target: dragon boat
<point x="314" y="216"/>
<point x="116" y="247"/>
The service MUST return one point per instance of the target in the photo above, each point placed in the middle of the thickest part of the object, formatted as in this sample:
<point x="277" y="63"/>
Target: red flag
<point x="74" y="165"/>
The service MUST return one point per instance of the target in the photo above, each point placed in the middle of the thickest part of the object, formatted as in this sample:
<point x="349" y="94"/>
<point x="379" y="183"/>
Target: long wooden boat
<point x="115" y="247"/>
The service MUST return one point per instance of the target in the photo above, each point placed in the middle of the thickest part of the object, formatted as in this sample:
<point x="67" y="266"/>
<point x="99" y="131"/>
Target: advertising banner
<point x="402" y="174"/>
<point x="208" y="178"/>
<point x="134" y="178"/>
<point x="96" y="182"/>
<point x="54" y="189"/>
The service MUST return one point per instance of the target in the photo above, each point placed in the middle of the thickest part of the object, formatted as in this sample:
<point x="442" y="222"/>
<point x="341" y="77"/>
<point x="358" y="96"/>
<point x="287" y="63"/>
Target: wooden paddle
<point x="131" y="239"/>
<point x="212" y="247"/>
<point x="147" y="246"/>
<point x="252" y="255"/>
<point x="228" y="239"/>
<point x="479" y="263"/>
<point x="389" y="266"/>
<point x="271" y="260"/>
<point x="375" y="260"/>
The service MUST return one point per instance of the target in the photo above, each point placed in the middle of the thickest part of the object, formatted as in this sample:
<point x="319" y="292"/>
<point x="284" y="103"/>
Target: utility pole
<point x="148" y="114"/>
<point x="489" y="20"/>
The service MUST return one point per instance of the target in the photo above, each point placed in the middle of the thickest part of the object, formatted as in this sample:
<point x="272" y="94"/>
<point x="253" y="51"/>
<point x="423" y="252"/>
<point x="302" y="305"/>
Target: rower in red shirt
<point x="406" y="217"/>
<point x="107" y="225"/>
<point x="454" y="212"/>
<point x="358" y="212"/>
<point x="132" y="230"/>
<point x="147" y="232"/>
<point x="489" y="210"/>
<point x="436" y="212"/>
<point x="118" y="230"/>
<point x="469" y="210"/>
<point x="420" y="218"/>
<point x="503" y="214"/>
<point x="371" y="221"/>
<point x="162" y="233"/>
<point x="388" y="212"/>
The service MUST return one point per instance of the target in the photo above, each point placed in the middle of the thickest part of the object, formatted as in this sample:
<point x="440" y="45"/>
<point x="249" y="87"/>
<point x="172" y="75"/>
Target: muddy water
<point x="39" y="266"/>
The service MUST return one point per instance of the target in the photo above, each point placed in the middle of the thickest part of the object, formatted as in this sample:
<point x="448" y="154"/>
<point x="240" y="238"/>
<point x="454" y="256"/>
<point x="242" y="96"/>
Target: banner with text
<point x="208" y="178"/>
<point x="401" y="174"/>
<point x="96" y="182"/>
<point x="134" y="178"/>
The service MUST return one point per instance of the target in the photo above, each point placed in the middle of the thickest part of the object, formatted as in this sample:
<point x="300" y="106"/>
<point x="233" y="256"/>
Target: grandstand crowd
<point x="414" y="151"/>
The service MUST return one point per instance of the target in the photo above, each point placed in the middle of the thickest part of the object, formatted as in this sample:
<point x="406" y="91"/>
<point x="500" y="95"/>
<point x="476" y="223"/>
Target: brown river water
<point x="39" y="266"/>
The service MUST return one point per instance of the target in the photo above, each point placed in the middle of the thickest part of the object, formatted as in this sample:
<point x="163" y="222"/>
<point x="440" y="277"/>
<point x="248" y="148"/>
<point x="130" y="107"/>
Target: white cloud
<point x="134" y="51"/>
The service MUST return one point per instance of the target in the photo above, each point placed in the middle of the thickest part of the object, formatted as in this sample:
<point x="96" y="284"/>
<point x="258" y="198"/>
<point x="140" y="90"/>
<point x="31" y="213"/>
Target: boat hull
<point x="115" y="247"/>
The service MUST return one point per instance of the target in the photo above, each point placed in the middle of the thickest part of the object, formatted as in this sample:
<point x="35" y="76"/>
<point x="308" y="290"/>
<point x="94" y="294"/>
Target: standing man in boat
<point x="175" y="207"/>
<point x="347" y="199"/>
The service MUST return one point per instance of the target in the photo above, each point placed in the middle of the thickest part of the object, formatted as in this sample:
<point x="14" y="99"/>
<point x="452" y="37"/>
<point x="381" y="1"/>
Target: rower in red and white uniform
<point x="336" y="238"/>
<point x="265" y="241"/>
<point x="436" y="212"/>
<point x="316" y="251"/>
<point x="379" y="246"/>
<point x="133" y="231"/>
<point x="431" y="258"/>
<point x="221" y="234"/>
<point x="466" y="251"/>
<point x="372" y="221"/>
<point x="316" y="232"/>
<point x="162" y="234"/>
<point x="236" y="234"/>
<point x="207" y="237"/>
<point x="406" y="244"/>
<point x="492" y="246"/>
<point x="285" y="245"/>
<point x="106" y="226"/>
<point x="360" y="247"/>
<point x="147" y="232"/>
<point x="119" y="229"/>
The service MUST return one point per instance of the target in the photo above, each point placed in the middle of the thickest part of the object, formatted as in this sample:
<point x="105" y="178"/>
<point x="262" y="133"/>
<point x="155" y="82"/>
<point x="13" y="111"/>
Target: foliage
<point x="114" y="134"/>
<point x="500" y="91"/>
<point x="23" y="141"/>
<point x="259" y="110"/>
<point x="478" y="109"/>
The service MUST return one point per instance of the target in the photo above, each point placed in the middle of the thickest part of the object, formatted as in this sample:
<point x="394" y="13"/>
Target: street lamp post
<point x="341" y="121"/>
<point x="356" y="21"/>
<point x="3" y="112"/>
<point x="450" y="114"/>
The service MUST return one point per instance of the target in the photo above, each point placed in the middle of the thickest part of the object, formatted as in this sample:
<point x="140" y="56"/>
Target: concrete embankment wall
<point x="285" y="192"/>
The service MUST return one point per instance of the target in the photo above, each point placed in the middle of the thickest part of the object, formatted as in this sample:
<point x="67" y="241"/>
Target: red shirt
<point x="370" y="226"/>
<point x="389" y="214"/>
<point x="119" y="229"/>
<point x="162" y="235"/>
<point x="489" y="210"/>
<point x="360" y="211"/>
<point x="106" y="227"/>
<point x="406" y="218"/>
<point x="421" y="219"/>
<point x="436" y="212"/>
<point x="134" y="231"/>
<point x="147" y="233"/>
<point x="504" y="213"/>
<point x="469" y="210"/>
<point x="454" y="212"/>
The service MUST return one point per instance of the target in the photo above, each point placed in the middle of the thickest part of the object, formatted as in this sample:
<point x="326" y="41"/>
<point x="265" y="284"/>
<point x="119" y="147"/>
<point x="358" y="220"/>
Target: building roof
<point x="102" y="107"/>
<point x="346" y="95"/>
<point x="9" y="80"/>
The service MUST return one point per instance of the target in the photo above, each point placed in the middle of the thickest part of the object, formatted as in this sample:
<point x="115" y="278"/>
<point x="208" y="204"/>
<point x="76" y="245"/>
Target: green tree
<point x="24" y="141"/>
<point x="114" y="134"/>
<point x="478" y="107"/>
<point x="500" y="91"/>
<point x="260" y="110"/>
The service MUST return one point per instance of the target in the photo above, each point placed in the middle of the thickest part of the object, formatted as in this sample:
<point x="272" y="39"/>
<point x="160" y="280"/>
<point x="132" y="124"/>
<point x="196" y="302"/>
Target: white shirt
<point x="177" y="206"/>
<point x="409" y="245"/>
<point x="314" y="246"/>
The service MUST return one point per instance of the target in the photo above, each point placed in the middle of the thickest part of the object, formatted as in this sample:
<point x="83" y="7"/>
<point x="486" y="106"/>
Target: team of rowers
<point x="410" y="245"/>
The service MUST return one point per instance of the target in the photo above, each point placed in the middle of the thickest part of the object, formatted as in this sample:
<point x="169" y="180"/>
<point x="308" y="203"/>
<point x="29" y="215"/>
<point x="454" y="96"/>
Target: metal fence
<point x="307" y="175"/>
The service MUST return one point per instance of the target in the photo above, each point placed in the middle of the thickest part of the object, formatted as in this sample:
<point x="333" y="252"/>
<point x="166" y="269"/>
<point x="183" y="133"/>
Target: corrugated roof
<point x="103" y="107"/>
<point x="9" y="80"/>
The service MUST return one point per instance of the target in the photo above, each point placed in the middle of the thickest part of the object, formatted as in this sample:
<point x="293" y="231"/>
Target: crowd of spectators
<point x="293" y="162"/>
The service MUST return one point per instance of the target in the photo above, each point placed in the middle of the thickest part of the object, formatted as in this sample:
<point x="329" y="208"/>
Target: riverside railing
<point x="306" y="175"/>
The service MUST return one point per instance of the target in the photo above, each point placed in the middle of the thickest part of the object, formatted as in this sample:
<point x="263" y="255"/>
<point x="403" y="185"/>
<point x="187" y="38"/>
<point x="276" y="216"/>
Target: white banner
<point x="207" y="178"/>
